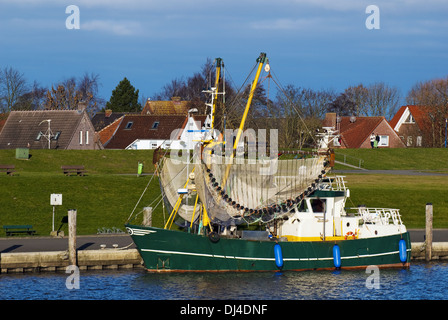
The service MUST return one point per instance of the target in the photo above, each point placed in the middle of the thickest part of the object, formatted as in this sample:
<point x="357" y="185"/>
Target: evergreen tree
<point x="124" y="98"/>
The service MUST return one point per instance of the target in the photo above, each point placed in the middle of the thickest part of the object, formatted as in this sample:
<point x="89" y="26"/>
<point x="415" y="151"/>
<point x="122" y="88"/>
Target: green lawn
<point x="434" y="159"/>
<point x="410" y="194"/>
<point x="106" y="196"/>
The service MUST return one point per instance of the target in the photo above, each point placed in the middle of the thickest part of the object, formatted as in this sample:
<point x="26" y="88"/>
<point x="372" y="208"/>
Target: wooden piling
<point x="72" y="255"/>
<point x="428" y="249"/>
<point x="147" y="216"/>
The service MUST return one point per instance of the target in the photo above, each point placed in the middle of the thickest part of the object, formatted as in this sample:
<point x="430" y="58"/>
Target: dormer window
<point x="129" y="125"/>
<point x="155" y="125"/>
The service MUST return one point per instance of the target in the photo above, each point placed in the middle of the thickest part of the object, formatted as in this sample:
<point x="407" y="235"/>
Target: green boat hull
<point x="167" y="250"/>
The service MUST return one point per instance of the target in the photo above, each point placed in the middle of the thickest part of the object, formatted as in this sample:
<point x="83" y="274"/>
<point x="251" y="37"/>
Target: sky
<point x="317" y="44"/>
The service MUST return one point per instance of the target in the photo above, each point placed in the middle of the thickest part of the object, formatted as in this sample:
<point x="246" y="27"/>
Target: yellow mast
<point x="218" y="74"/>
<point x="261" y="60"/>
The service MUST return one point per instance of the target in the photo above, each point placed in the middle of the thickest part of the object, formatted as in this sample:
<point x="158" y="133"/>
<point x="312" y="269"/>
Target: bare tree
<point x="12" y="86"/>
<point x="32" y="99"/>
<point x="70" y="92"/>
<point x="359" y="96"/>
<point x="382" y="100"/>
<point x="432" y="94"/>
<point x="377" y="99"/>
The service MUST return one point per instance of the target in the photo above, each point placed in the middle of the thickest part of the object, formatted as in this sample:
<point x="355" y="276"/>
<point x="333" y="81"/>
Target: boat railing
<point x="336" y="183"/>
<point x="382" y="216"/>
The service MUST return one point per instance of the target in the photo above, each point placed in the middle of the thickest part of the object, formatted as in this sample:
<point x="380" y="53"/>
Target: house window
<point x="410" y="119"/>
<point x="80" y="137"/>
<point x="57" y="135"/>
<point x="154" y="145"/>
<point x="129" y="125"/>
<point x="384" y="141"/>
<point x="155" y="125"/>
<point x="87" y="136"/>
<point x="409" y="141"/>
<point x="419" y="141"/>
<point x="39" y="135"/>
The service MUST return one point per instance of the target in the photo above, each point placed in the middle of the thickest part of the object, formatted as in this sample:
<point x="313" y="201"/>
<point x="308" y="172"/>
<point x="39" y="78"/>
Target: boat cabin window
<point x="318" y="205"/>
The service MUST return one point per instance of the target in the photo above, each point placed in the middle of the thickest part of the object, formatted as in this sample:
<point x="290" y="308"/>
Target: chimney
<point x="82" y="106"/>
<point x="108" y="113"/>
<point x="330" y="120"/>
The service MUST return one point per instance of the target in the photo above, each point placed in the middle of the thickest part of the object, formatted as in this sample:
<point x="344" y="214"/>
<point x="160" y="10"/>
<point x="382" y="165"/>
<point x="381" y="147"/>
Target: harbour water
<point x="427" y="281"/>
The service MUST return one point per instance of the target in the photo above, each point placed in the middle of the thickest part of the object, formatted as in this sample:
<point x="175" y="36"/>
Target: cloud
<point x="117" y="27"/>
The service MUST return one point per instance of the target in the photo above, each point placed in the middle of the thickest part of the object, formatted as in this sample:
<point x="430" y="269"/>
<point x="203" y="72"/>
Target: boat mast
<point x="261" y="60"/>
<point x="216" y="89"/>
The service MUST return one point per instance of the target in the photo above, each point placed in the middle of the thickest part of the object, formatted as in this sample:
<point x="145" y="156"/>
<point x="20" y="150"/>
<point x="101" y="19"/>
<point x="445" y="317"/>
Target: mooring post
<point x="428" y="250"/>
<point x="147" y="216"/>
<point x="72" y="237"/>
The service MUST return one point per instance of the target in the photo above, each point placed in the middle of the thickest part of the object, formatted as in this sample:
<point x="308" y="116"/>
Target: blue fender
<point x="278" y="256"/>
<point x="337" y="256"/>
<point x="402" y="251"/>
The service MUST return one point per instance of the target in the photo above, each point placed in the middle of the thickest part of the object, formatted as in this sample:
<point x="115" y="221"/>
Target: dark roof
<point x="22" y="128"/>
<point x="103" y="119"/>
<point x="155" y="127"/>
<point x="134" y="127"/>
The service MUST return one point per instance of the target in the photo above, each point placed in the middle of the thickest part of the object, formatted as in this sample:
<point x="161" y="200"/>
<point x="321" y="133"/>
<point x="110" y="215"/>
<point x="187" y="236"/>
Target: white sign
<point x="56" y="199"/>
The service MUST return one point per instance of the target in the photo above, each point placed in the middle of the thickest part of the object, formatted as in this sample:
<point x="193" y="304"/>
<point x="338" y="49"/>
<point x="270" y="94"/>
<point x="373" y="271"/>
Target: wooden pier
<point x="104" y="259"/>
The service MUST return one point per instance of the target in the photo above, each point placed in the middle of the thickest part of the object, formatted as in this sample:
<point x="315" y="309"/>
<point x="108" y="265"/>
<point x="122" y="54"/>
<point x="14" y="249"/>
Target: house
<point x="152" y="131"/>
<point x="49" y="129"/>
<point x="355" y="132"/>
<point x="413" y="126"/>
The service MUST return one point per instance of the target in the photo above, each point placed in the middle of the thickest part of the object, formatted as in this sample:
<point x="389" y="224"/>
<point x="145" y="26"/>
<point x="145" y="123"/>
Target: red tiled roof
<point x="108" y="132"/>
<point x="419" y="113"/>
<point x="354" y="133"/>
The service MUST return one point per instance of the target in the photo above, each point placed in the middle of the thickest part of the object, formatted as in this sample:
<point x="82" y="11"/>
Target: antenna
<point x="48" y="134"/>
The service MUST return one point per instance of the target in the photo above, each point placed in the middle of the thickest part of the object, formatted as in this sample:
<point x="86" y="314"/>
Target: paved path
<point x="94" y="242"/>
<point x="36" y="244"/>
<point x="397" y="172"/>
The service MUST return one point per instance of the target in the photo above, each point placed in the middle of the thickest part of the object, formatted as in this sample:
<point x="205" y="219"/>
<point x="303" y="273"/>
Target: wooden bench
<point x="8" y="168"/>
<point x="17" y="229"/>
<point x="78" y="170"/>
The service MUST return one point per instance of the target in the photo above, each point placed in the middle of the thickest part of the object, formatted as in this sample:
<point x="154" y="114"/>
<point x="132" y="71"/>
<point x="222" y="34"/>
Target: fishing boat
<point x="264" y="213"/>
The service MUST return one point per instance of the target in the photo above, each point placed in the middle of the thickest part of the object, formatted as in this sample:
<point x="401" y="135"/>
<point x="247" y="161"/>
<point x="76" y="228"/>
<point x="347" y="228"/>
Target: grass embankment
<point x="106" y="196"/>
<point x="409" y="193"/>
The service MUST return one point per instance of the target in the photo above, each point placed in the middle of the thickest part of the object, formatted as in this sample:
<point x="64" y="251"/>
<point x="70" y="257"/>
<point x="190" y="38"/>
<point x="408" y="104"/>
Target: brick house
<point x="413" y="126"/>
<point x="355" y="132"/>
